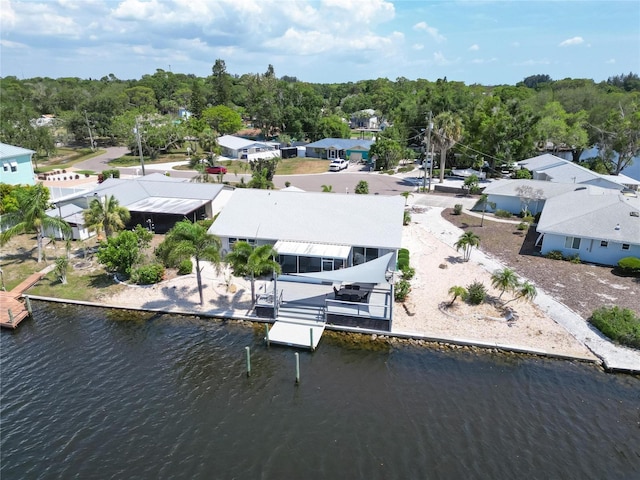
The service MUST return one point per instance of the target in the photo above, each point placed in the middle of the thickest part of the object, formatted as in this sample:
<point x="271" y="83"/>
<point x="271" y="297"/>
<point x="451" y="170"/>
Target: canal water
<point x="91" y="393"/>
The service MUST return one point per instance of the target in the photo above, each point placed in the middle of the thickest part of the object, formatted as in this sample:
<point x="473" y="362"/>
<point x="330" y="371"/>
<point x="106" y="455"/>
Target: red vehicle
<point x="216" y="169"/>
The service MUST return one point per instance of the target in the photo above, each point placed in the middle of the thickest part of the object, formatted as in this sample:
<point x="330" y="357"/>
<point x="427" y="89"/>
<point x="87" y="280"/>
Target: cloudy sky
<point x="326" y="41"/>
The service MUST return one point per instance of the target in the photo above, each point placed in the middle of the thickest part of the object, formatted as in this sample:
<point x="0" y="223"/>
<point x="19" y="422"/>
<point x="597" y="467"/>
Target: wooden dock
<point x="12" y="310"/>
<point x="298" y="326"/>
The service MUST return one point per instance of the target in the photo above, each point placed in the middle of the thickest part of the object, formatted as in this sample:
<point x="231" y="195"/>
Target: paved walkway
<point x="613" y="356"/>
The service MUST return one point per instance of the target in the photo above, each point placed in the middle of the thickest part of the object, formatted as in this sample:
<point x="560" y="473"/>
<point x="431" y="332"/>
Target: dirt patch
<point x="582" y="287"/>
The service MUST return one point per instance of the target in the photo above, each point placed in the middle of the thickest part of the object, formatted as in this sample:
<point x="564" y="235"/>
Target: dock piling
<point x="248" y="351"/>
<point x="10" y="315"/>
<point x="27" y="300"/>
<point x="311" y="339"/>
<point x="266" y="333"/>
<point x="297" y="368"/>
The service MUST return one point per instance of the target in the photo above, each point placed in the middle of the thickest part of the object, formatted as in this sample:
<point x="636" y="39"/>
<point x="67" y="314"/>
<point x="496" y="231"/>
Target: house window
<point x="14" y="166"/>
<point x="572" y="242"/>
<point x="5" y="167"/>
<point x="625" y="246"/>
<point x="604" y="243"/>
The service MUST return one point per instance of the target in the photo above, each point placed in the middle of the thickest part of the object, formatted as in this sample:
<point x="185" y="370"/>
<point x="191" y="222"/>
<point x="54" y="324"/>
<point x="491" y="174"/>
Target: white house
<point x="241" y="148"/>
<point x="17" y="168"/>
<point x="597" y="224"/>
<point x="555" y="169"/>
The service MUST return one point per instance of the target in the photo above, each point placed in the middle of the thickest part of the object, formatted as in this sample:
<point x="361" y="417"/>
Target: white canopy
<point x="374" y="271"/>
<point x="312" y="249"/>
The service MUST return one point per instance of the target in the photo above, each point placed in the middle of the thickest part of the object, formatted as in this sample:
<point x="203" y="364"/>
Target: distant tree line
<point x="472" y="124"/>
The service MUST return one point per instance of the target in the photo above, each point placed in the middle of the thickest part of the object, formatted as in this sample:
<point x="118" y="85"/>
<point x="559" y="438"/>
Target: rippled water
<point x="91" y="393"/>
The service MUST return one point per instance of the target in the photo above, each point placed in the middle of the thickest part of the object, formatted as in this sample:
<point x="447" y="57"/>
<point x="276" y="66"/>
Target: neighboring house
<point x="331" y="148"/>
<point x="516" y="195"/>
<point x="17" y="168"/>
<point x="241" y="148"/>
<point x="555" y="169"/>
<point x="155" y="201"/>
<point x="598" y="225"/>
<point x="365" y="119"/>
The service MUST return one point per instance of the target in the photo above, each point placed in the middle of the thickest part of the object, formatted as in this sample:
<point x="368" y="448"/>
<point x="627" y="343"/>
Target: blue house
<point x="17" y="168"/>
<point x="331" y="148"/>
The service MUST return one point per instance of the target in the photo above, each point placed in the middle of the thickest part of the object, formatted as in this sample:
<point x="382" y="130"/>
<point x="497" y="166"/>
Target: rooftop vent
<point x="634" y="214"/>
<point x="580" y="188"/>
<point x="617" y="227"/>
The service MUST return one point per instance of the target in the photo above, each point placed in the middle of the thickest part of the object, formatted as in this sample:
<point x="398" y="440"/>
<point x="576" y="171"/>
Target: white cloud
<point x="571" y="41"/>
<point x="432" y="31"/>
<point x="8" y="18"/>
<point x="531" y="62"/>
<point x="483" y="61"/>
<point x="611" y="61"/>
<point x="417" y="46"/>
<point x="515" y="44"/>
<point x="440" y="59"/>
<point x="474" y="48"/>
<point x="10" y="44"/>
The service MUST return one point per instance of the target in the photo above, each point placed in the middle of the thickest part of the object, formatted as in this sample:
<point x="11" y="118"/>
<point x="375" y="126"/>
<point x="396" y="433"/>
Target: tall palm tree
<point x="190" y="240"/>
<point x="484" y="201"/>
<point x="106" y="215"/>
<point x="505" y="279"/>
<point x="247" y="261"/>
<point x="448" y="131"/>
<point x="526" y="290"/>
<point x="31" y="217"/>
<point x="466" y="242"/>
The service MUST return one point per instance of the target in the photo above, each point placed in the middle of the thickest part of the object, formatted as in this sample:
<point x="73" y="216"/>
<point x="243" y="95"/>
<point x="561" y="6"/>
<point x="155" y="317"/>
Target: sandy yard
<point x="438" y="267"/>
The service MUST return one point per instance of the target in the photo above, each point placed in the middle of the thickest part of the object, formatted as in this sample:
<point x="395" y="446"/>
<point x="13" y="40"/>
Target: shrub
<point x="408" y="273"/>
<point x="619" y="324"/>
<point x="403" y="287"/>
<point x="629" y="265"/>
<point x="476" y="293"/>
<point x="406" y="219"/>
<point x="523" y="226"/>
<point x="185" y="267"/>
<point x="554" y="255"/>
<point x="528" y="218"/>
<point x="115" y="173"/>
<point x="147" y="274"/>
<point x="574" y="258"/>
<point x="457" y="209"/>
<point x="502" y="213"/>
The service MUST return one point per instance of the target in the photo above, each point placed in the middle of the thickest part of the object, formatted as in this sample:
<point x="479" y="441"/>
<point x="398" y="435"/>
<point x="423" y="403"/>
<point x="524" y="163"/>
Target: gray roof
<point x="508" y="187"/>
<point x="564" y="171"/>
<point x="330" y="218"/>
<point x="593" y="212"/>
<point x="9" y="151"/>
<point x="341" y="143"/>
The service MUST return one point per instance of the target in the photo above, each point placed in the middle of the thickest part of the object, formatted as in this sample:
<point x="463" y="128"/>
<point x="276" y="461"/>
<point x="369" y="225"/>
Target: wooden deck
<point x="9" y="302"/>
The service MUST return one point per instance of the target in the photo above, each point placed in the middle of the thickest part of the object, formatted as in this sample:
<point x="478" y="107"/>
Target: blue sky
<point x="328" y="41"/>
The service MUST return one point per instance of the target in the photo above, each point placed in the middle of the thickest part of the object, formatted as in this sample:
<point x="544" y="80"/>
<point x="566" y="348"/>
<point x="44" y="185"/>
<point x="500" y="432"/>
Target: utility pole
<point x="86" y="119"/>
<point x="428" y="142"/>
<point x="140" y="146"/>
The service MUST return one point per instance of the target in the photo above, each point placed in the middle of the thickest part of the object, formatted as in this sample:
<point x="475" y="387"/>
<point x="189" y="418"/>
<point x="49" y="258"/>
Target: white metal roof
<point x="235" y="143"/>
<point x="312" y="249"/>
<point x="344" y="219"/>
<point x="509" y="187"/>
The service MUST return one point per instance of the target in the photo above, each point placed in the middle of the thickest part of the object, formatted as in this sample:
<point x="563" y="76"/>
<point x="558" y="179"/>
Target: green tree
<point x="448" y="131"/>
<point x="120" y="252"/>
<point x="387" y="152"/>
<point x="620" y="138"/>
<point x="524" y="290"/>
<point x="471" y="183"/>
<point x="260" y="180"/>
<point x="505" y="280"/>
<point x="484" y="203"/>
<point x="362" y="187"/>
<point x="466" y="242"/>
<point x="31" y="217"/>
<point x="332" y="126"/>
<point x="221" y="82"/>
<point x="222" y="119"/>
<point x="106" y="215"/>
<point x="247" y="261"/>
<point x="190" y="240"/>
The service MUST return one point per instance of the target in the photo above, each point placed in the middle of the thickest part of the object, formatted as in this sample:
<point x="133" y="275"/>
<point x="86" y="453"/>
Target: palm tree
<point x="107" y="215"/>
<point x="406" y="196"/>
<point x="448" y="131"/>
<point x="466" y="242"/>
<point x="505" y="279"/>
<point x="484" y="201"/>
<point x="526" y="290"/>
<point x="31" y="217"/>
<point x="457" y="291"/>
<point x="327" y="188"/>
<point x="188" y="240"/>
<point x="247" y="261"/>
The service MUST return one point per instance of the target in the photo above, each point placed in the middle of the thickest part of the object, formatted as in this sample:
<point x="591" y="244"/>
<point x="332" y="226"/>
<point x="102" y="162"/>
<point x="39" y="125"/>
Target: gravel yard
<point x="582" y="287"/>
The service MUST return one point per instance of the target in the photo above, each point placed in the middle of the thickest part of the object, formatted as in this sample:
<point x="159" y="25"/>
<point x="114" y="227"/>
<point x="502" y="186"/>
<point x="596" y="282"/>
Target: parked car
<point x="216" y="169"/>
<point x="338" y="164"/>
